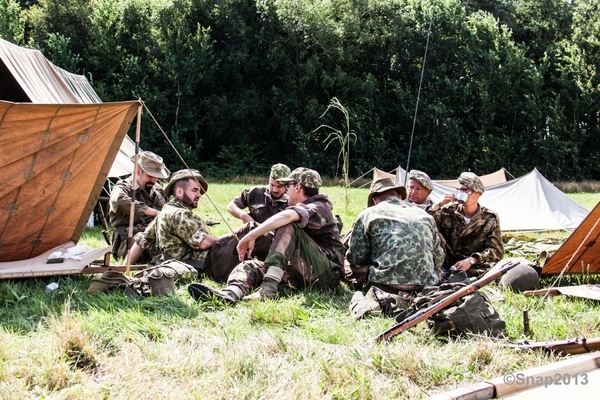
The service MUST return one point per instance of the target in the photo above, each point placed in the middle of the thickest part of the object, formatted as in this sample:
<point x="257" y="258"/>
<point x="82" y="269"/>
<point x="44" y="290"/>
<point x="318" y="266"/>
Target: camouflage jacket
<point x="260" y="204"/>
<point x="177" y="232"/>
<point x="317" y="220"/>
<point x="120" y="203"/>
<point x="481" y="238"/>
<point x="399" y="242"/>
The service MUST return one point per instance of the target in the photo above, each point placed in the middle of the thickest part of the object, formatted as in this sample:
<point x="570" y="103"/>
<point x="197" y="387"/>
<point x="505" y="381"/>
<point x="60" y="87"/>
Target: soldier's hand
<point x="448" y="198"/>
<point x="245" y="247"/>
<point x="463" y="265"/>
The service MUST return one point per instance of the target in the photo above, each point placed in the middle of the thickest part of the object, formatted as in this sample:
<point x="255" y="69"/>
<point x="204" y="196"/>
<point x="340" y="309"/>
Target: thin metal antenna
<point x="412" y="134"/>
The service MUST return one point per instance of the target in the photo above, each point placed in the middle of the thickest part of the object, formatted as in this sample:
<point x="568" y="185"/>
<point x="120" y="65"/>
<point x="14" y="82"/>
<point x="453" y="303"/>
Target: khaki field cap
<point x="381" y="185"/>
<point x="152" y="164"/>
<point x="421" y="177"/>
<point x="306" y="177"/>
<point x="472" y="181"/>
<point x="185" y="174"/>
<point x="280" y="171"/>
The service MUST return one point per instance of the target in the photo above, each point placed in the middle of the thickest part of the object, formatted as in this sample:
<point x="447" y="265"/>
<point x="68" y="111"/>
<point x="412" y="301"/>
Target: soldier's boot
<point x="378" y="302"/>
<point x="268" y="288"/>
<point x="363" y="304"/>
<point x="200" y="291"/>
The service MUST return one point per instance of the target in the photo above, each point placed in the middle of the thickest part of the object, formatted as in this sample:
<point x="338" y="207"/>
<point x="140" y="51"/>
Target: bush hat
<point x="306" y="177"/>
<point x="381" y="185"/>
<point x="152" y="164"/>
<point x="422" y="178"/>
<point x="472" y="181"/>
<point x="185" y="174"/>
<point x="280" y="171"/>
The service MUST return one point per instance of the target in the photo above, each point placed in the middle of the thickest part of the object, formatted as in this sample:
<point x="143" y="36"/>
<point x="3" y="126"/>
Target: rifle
<point x="425" y="313"/>
<point x="568" y="346"/>
<point x="104" y="224"/>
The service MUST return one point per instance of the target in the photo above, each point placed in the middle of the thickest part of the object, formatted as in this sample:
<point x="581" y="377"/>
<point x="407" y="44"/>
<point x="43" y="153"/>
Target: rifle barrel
<point x="558" y="347"/>
<point x="422" y="315"/>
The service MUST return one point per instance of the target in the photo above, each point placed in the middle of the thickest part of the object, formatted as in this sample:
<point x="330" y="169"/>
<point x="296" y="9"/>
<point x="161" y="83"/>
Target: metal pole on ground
<point x="133" y="186"/>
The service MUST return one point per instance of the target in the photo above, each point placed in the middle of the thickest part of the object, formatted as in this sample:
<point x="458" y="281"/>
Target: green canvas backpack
<point x="473" y="313"/>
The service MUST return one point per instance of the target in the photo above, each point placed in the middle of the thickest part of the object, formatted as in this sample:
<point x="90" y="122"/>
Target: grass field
<point x="68" y="345"/>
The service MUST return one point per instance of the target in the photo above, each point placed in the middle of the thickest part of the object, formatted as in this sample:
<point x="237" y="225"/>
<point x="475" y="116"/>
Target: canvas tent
<point x="28" y="77"/>
<point x="58" y="144"/>
<point x="528" y="203"/>
<point x="580" y="253"/>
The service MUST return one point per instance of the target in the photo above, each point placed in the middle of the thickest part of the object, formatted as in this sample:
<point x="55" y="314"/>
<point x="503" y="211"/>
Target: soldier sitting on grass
<point x="305" y="252"/>
<point x="177" y="232"/>
<point x="396" y="246"/>
<point x="473" y="236"/>
<point x="262" y="201"/>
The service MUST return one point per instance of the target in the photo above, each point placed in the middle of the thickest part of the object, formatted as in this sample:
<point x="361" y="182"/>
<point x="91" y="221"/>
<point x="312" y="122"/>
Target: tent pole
<point x="133" y="186"/>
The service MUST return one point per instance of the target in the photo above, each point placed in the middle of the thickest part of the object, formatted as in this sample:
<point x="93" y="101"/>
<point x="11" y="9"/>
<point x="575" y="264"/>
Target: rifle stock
<point x="425" y="313"/>
<point x="569" y="346"/>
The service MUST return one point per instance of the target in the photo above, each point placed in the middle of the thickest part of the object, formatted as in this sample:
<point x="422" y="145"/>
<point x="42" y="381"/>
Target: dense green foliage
<point x="240" y="84"/>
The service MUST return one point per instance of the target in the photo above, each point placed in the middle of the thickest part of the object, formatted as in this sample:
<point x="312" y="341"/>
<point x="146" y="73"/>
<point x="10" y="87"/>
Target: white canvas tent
<point x="528" y="203"/>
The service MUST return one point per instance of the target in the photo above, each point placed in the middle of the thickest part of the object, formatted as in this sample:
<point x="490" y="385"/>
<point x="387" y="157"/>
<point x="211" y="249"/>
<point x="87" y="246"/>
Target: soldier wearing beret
<point x="305" y="251"/>
<point x="262" y="201"/>
<point x="471" y="231"/>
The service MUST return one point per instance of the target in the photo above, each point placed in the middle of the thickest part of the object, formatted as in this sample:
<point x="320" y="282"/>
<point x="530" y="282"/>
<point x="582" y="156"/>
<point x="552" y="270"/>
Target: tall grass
<point x="69" y="345"/>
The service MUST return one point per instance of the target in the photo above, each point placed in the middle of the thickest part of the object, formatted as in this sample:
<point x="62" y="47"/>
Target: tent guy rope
<point x="187" y="167"/>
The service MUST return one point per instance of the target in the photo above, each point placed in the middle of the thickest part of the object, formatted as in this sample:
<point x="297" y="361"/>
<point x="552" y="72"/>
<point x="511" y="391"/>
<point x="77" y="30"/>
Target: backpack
<point x="153" y="281"/>
<point x="472" y="313"/>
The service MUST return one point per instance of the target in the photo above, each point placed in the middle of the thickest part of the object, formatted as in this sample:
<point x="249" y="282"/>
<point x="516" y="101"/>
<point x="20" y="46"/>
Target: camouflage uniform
<point x="120" y="206"/>
<point x="222" y="256"/>
<point x="481" y="238"/>
<point x="399" y="242"/>
<point x="177" y="232"/>
<point x="307" y="253"/>
<point x="260" y="204"/>
<point x="258" y="199"/>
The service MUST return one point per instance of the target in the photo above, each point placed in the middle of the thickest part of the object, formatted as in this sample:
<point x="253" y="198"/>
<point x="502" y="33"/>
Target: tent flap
<point x="54" y="166"/>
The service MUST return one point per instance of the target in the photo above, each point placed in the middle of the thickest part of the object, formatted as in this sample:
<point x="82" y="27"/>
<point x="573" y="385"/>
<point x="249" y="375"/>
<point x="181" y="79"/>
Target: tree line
<point x="238" y="85"/>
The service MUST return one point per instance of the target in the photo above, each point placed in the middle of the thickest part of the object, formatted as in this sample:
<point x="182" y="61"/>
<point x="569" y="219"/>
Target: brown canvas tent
<point x="580" y="253"/>
<point x="58" y="144"/>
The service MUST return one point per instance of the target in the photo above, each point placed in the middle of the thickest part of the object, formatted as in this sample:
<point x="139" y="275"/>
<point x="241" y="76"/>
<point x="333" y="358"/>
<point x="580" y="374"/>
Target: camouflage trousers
<point x="303" y="262"/>
<point x="222" y="257"/>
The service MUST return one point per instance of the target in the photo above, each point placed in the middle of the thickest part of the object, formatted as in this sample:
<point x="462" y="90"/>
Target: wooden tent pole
<point x="133" y="186"/>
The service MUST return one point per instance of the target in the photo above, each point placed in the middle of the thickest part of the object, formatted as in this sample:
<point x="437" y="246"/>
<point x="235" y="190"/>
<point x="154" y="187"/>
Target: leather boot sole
<point x="199" y="291"/>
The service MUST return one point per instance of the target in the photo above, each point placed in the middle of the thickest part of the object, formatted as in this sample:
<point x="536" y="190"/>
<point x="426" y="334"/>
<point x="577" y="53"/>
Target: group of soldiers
<point x="290" y="238"/>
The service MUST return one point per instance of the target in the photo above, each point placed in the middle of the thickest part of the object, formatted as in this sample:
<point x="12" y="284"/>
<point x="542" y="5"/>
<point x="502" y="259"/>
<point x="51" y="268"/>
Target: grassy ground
<point x="68" y="345"/>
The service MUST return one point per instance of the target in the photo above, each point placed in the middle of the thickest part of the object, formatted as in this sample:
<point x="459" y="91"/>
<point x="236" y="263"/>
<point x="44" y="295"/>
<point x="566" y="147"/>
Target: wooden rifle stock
<point x="569" y="346"/>
<point x="425" y="313"/>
